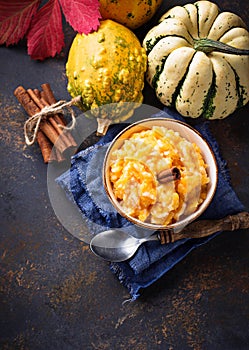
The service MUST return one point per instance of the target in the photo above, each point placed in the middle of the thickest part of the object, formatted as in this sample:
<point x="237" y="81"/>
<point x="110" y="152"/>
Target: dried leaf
<point x="82" y="15"/>
<point x="46" y="38"/>
<point x="15" y="19"/>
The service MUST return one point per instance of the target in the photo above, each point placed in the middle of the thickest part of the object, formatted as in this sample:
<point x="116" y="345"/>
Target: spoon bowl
<point x="117" y="245"/>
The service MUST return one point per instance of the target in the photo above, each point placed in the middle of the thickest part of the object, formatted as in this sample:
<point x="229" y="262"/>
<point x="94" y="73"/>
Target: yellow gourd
<point x="131" y="13"/>
<point x="107" y="67"/>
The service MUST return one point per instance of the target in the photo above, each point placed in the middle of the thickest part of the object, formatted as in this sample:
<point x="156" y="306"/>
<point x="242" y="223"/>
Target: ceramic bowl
<point x="186" y="132"/>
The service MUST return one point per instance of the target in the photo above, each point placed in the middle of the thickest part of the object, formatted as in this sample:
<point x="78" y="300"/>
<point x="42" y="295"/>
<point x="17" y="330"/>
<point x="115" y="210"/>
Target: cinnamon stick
<point x="169" y="175"/>
<point x="25" y="100"/>
<point x="56" y="122"/>
<point x="46" y="148"/>
<point x="48" y="129"/>
<point x="37" y="92"/>
<point x="45" y="142"/>
<point x="48" y="95"/>
<point x="31" y="109"/>
<point x="42" y="103"/>
<point x="33" y="101"/>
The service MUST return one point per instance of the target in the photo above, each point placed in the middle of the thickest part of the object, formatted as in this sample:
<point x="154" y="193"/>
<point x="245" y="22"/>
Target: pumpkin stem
<point x="103" y="125"/>
<point x="209" y="45"/>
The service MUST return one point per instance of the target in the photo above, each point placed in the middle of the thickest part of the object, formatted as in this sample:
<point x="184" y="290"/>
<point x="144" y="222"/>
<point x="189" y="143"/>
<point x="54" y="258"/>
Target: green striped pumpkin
<point x="198" y="60"/>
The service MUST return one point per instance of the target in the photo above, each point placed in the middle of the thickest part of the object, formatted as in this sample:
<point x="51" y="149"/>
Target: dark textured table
<point x="55" y="294"/>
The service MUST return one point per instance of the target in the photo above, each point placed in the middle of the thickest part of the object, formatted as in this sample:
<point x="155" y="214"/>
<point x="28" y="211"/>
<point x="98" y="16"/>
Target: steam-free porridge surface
<point x="134" y="168"/>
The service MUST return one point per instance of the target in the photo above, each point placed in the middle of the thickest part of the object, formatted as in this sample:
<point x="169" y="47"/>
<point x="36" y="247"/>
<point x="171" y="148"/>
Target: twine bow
<point x="31" y="126"/>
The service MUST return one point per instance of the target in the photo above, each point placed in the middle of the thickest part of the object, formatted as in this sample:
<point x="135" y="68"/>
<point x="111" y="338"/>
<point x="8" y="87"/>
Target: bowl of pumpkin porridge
<point x="160" y="173"/>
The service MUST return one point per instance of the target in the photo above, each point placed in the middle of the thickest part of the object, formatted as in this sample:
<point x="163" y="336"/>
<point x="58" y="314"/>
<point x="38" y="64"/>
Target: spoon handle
<point x="203" y="228"/>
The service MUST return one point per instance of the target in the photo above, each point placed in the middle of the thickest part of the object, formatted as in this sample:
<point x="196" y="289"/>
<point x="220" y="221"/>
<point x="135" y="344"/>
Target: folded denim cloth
<point x="83" y="185"/>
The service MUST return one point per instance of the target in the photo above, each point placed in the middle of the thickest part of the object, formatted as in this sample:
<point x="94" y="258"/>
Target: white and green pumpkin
<point x="198" y="60"/>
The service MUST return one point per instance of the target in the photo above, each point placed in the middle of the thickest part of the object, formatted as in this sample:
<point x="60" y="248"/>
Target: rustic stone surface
<point x="55" y="294"/>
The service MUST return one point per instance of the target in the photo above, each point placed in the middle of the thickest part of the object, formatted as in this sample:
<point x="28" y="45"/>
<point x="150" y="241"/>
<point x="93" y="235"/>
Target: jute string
<point x="32" y="124"/>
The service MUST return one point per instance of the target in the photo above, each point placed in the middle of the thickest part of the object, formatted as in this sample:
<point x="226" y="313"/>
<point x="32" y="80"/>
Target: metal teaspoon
<point x="117" y="245"/>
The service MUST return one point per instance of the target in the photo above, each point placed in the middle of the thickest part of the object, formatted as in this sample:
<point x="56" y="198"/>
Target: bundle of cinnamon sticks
<point x="55" y="143"/>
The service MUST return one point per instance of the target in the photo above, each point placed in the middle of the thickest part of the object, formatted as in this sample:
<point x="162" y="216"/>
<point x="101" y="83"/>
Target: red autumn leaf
<point x="43" y="27"/>
<point x="15" y="18"/>
<point x="46" y="37"/>
<point x="82" y="15"/>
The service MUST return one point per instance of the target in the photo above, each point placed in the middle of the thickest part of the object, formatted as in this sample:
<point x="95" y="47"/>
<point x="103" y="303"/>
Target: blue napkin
<point x="83" y="185"/>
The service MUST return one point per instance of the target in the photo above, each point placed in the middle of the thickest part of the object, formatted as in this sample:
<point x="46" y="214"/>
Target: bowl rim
<point x="179" y="225"/>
